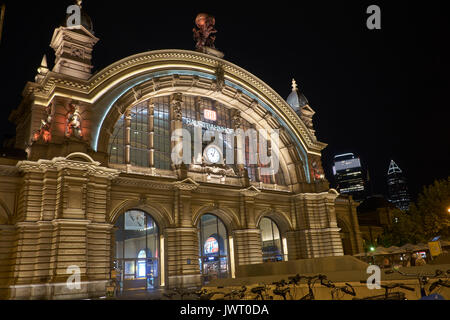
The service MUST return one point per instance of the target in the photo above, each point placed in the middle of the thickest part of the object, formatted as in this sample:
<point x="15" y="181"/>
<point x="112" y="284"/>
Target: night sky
<point x="381" y="94"/>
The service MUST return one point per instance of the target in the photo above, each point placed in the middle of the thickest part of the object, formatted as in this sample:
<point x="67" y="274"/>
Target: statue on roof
<point x="204" y="35"/>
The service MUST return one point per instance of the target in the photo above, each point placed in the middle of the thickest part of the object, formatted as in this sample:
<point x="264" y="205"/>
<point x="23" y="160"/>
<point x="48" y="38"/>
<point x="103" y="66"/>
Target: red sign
<point x="210" y="115"/>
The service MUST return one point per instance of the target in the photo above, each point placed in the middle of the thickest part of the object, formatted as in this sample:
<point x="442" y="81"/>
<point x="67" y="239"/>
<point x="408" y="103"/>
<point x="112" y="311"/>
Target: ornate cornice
<point x="186" y="185"/>
<point x="251" y="192"/>
<point x="92" y="89"/>
<point x="61" y="163"/>
<point x="122" y="181"/>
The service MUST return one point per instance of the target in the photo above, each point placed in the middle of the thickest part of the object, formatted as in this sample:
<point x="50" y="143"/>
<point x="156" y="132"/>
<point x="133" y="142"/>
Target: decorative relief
<point x="317" y="172"/>
<point x="61" y="164"/>
<point x="186" y="185"/>
<point x="177" y="106"/>
<point x="77" y="52"/>
<point x="142" y="184"/>
<point x="73" y="122"/>
<point x="250" y="192"/>
<point x="220" y="78"/>
<point x="44" y="131"/>
<point x="237" y="120"/>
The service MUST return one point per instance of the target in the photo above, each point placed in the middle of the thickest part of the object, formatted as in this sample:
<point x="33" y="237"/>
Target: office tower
<point x="349" y="176"/>
<point x="398" y="187"/>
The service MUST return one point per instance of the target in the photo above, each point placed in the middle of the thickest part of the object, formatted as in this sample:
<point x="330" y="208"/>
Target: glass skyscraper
<point x="349" y="176"/>
<point x="398" y="187"/>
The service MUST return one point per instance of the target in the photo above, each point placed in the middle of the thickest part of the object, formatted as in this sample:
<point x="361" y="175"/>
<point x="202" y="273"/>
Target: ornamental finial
<point x="294" y="85"/>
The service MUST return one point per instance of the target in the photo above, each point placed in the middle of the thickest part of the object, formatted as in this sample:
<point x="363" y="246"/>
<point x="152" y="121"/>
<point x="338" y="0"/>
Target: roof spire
<point x="294" y="85"/>
<point x="394" y="168"/>
<point x="44" y="63"/>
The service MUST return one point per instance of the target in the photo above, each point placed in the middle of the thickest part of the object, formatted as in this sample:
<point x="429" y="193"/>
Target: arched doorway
<point x="272" y="247"/>
<point x="137" y="251"/>
<point x="213" y="248"/>
<point x="345" y="237"/>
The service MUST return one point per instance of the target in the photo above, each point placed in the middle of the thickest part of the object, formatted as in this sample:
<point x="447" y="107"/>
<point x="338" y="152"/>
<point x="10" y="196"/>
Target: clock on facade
<point x="213" y="155"/>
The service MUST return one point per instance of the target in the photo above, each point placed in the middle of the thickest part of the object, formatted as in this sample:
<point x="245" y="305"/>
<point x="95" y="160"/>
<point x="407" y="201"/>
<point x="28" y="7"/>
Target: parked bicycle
<point x="282" y="289"/>
<point x="424" y="280"/>
<point x="236" y="294"/>
<point x="337" y="293"/>
<point x="261" y="292"/>
<point x="388" y="295"/>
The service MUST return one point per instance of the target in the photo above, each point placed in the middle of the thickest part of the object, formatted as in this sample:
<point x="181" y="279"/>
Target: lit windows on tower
<point x="348" y="174"/>
<point x="398" y="187"/>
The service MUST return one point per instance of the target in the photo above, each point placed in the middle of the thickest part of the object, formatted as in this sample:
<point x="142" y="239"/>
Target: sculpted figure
<point x="204" y="35"/>
<point x="44" y="130"/>
<point x="73" y="127"/>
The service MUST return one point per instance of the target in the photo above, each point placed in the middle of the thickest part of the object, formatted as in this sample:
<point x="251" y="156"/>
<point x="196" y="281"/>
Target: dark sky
<point x="380" y="94"/>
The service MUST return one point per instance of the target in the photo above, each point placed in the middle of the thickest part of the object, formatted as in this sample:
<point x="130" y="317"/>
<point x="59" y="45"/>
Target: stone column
<point x="127" y="138"/>
<point x="182" y="243"/>
<point x="176" y="115"/>
<point x="247" y="241"/>
<point x="151" y="133"/>
<point x="317" y="234"/>
<point x="183" y="268"/>
<point x="247" y="247"/>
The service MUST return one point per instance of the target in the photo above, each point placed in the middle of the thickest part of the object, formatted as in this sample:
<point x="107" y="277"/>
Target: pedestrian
<point x="386" y="263"/>
<point x="420" y="261"/>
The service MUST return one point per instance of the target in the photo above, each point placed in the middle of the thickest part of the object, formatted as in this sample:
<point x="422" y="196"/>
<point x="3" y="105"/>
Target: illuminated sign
<point x="348" y="164"/>
<point x="211" y="246"/>
<point x="210" y="115"/>
<point x="207" y="126"/>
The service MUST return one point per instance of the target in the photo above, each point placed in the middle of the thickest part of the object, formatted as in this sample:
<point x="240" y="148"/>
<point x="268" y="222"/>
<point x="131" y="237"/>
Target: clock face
<point x="213" y="155"/>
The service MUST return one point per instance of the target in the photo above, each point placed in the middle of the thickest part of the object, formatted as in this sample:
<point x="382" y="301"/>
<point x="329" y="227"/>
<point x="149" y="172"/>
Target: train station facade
<point x="99" y="189"/>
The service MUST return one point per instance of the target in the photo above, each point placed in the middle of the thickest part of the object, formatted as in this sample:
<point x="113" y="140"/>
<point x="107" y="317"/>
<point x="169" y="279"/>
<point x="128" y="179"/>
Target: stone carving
<point x="204" y="34"/>
<point x="237" y="120"/>
<point x="220" y="78"/>
<point x="317" y="172"/>
<point x="250" y="192"/>
<point x="177" y="104"/>
<point x="73" y="122"/>
<point x="44" y="130"/>
<point x="77" y="52"/>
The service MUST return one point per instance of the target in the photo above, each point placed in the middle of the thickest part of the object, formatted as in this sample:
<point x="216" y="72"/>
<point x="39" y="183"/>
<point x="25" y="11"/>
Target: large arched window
<point x="213" y="248"/>
<point x="272" y="248"/>
<point x="137" y="251"/>
<point x="142" y="136"/>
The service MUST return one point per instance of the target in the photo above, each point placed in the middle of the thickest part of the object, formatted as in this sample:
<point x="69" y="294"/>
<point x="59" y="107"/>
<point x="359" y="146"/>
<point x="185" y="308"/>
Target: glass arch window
<point x="130" y="142"/>
<point x="137" y="251"/>
<point x="213" y="248"/>
<point x="272" y="248"/>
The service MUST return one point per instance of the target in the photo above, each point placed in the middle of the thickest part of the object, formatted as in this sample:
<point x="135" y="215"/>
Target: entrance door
<point x="137" y="252"/>
<point x="213" y="245"/>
